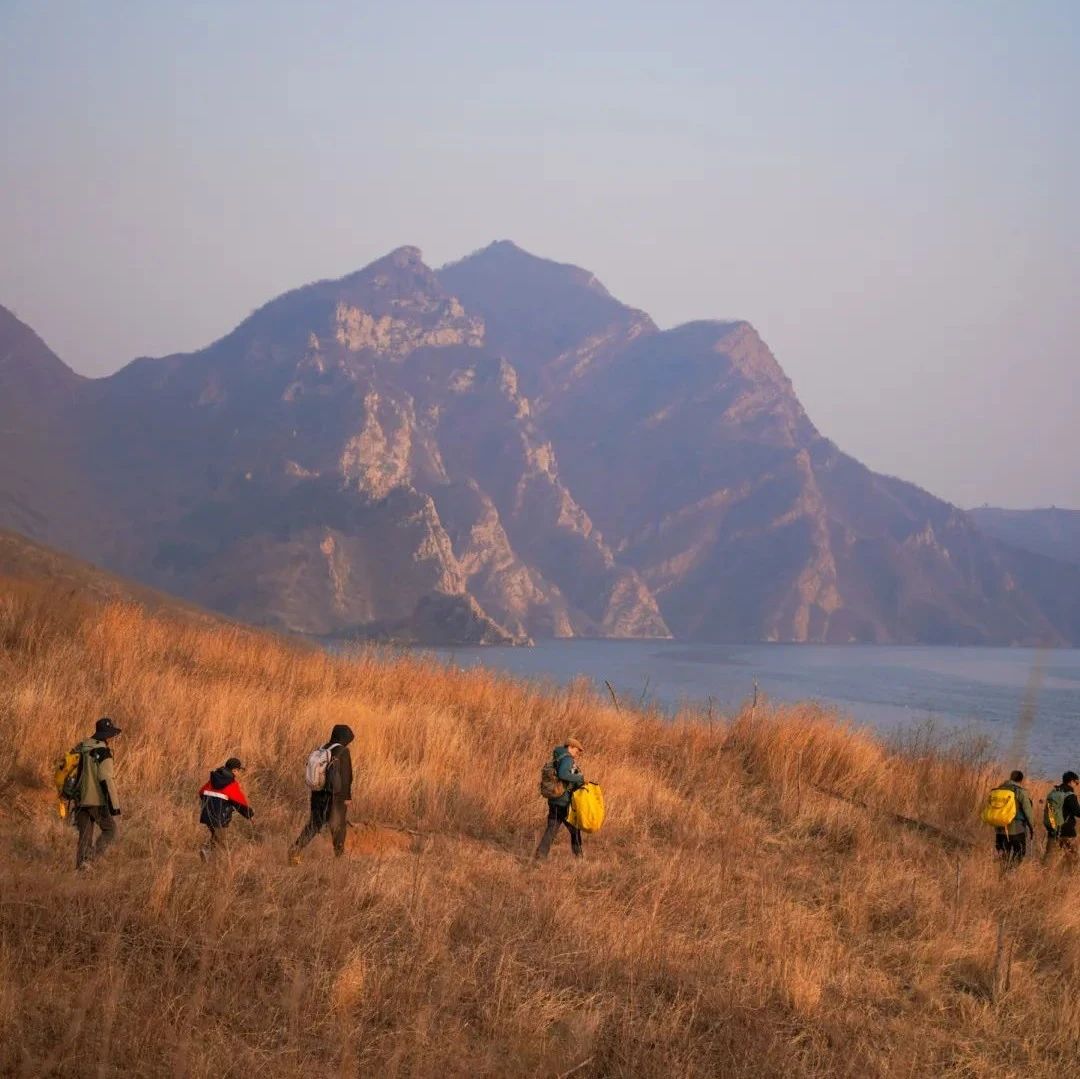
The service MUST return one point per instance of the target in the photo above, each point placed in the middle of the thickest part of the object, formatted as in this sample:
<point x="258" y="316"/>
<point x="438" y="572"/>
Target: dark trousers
<point x="1011" y="848"/>
<point x="1060" y="848"/>
<point x="556" y="816"/>
<point x="325" y="810"/>
<point x="85" y="819"/>
<point x="219" y="837"/>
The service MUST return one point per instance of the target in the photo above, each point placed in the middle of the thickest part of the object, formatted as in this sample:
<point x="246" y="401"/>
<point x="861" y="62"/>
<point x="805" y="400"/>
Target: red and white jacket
<point x="220" y="796"/>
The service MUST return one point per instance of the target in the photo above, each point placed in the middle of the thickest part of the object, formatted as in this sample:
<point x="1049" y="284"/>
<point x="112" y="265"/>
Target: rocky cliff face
<point x="498" y="451"/>
<point x="696" y="460"/>
<point x="297" y="473"/>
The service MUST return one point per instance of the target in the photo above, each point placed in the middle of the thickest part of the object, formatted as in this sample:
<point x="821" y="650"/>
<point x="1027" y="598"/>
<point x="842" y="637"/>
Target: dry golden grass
<point x="753" y="907"/>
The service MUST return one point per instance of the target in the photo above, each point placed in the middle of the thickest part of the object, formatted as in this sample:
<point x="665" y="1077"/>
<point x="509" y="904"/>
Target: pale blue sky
<point x="887" y="191"/>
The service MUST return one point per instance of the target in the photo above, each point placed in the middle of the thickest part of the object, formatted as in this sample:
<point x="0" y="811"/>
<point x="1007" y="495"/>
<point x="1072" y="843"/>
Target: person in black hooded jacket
<point x="220" y="796"/>
<point x="329" y="806"/>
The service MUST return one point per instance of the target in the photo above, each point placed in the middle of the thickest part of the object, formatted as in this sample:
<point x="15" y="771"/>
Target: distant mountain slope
<point x="1052" y="532"/>
<point x="42" y="490"/>
<point x="495" y="452"/>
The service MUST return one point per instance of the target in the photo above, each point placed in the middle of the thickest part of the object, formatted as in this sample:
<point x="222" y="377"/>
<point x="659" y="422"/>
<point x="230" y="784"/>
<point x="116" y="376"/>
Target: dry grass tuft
<point x="755" y="906"/>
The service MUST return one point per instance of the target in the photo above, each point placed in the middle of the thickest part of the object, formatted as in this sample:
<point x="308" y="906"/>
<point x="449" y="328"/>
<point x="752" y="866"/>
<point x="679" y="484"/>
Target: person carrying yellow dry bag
<point x="1009" y="812"/>
<point x="587" y="808"/>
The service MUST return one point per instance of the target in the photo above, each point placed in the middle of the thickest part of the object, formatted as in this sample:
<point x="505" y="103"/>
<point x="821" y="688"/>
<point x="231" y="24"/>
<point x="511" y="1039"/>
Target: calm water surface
<point x="887" y="688"/>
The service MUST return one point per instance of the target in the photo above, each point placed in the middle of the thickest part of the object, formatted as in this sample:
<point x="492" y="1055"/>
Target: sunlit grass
<point x="754" y="906"/>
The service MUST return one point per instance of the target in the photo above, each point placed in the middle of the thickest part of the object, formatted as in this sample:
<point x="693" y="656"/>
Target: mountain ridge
<point x="319" y="434"/>
<point x="503" y="447"/>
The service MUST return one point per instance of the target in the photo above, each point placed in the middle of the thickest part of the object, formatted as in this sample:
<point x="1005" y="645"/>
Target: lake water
<point x="886" y="688"/>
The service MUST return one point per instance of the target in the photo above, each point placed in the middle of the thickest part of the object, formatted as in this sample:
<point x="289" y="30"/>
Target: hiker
<point x="96" y="800"/>
<point x="1059" y="816"/>
<point x="1010" y="842"/>
<point x="569" y="777"/>
<point x="329" y="775"/>
<point x="221" y="796"/>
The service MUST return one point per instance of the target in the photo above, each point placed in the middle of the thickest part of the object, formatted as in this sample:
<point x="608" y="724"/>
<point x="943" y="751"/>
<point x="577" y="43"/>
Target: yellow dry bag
<point x="1000" y="808"/>
<point x="586" y="808"/>
<point x="66" y="781"/>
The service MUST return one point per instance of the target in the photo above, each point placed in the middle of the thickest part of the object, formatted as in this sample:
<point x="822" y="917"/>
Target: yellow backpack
<point x="66" y="780"/>
<point x="1000" y="809"/>
<point x="586" y="808"/>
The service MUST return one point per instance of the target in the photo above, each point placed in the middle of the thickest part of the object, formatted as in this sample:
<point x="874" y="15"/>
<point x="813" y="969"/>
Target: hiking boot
<point x="294" y="857"/>
<point x="204" y="853"/>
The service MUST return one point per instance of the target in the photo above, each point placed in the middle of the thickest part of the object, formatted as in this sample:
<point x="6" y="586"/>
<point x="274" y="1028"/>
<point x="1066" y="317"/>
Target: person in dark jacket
<point x="329" y="806"/>
<point x="565" y="759"/>
<point x="97" y="802"/>
<point x="221" y="796"/>
<point x="1011" y="842"/>
<point x="1061" y="838"/>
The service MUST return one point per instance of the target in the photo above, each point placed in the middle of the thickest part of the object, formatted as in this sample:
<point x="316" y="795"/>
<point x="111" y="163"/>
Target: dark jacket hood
<point x="220" y="778"/>
<point x="341" y="734"/>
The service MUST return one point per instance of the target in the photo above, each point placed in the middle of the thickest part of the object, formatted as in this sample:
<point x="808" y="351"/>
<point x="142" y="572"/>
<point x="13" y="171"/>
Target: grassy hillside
<point x="740" y="914"/>
<point x="23" y="559"/>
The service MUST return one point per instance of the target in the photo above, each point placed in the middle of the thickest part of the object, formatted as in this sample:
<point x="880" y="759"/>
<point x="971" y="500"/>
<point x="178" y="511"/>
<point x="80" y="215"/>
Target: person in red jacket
<point x="221" y="796"/>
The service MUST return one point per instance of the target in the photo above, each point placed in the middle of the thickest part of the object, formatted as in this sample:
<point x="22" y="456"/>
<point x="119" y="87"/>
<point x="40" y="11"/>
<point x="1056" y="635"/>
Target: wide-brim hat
<point x="105" y="728"/>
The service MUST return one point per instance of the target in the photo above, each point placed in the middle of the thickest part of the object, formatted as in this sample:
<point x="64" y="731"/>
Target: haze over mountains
<point x="1051" y="531"/>
<point x="495" y="451"/>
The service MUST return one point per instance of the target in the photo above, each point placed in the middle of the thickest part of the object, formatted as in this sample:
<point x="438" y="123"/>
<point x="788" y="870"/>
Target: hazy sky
<point x="888" y="191"/>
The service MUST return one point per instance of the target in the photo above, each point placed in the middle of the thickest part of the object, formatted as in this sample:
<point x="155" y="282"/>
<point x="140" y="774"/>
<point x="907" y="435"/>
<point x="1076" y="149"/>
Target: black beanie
<point x="233" y="763"/>
<point x="1069" y="777"/>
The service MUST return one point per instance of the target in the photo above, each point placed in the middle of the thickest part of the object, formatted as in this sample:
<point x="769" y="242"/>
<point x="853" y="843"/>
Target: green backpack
<point x="1054" y="810"/>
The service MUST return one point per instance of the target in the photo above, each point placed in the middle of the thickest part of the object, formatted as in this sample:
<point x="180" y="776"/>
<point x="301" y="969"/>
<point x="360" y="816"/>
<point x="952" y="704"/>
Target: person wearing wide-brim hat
<point x="97" y="802"/>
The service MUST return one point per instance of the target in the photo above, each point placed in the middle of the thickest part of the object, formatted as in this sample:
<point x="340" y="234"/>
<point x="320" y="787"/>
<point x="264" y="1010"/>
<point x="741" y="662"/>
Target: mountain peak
<point x="505" y="256"/>
<point x="553" y="318"/>
<point x="21" y="350"/>
<point x="12" y="327"/>
<point x="406" y="257"/>
<point x="406" y="263"/>
<point x="397" y="282"/>
<point x="504" y="246"/>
